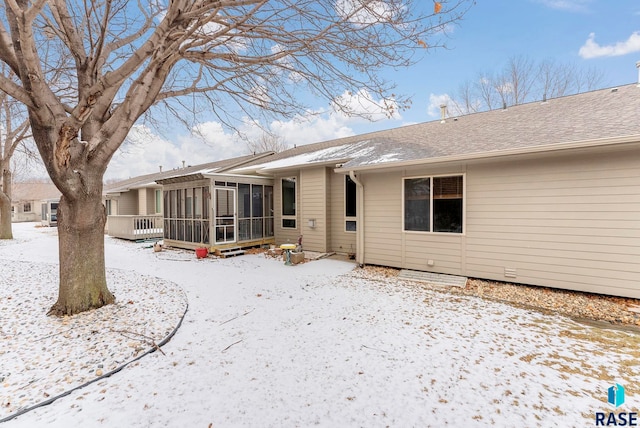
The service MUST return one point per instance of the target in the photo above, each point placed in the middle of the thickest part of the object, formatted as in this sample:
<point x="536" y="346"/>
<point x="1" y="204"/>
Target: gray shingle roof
<point x="602" y="114"/>
<point x="149" y="180"/>
<point x="33" y="191"/>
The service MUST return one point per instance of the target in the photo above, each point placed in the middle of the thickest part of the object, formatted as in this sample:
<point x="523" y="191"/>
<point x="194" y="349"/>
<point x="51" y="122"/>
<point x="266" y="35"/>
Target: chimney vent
<point x="504" y="105"/>
<point x="638" y="67"/>
<point x="544" y="97"/>
<point x="160" y="168"/>
<point x="183" y="163"/>
<point x="443" y="113"/>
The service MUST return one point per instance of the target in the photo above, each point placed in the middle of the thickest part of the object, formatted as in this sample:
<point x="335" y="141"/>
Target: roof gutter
<point x="549" y="148"/>
<point x="359" y="219"/>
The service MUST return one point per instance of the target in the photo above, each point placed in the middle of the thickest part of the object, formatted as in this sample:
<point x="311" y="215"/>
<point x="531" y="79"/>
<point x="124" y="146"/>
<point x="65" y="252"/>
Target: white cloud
<point x="364" y="12"/>
<point x="435" y="101"/>
<point x="591" y="49"/>
<point x="362" y="105"/>
<point x="144" y="151"/>
<point x="568" y="5"/>
<point x="311" y="128"/>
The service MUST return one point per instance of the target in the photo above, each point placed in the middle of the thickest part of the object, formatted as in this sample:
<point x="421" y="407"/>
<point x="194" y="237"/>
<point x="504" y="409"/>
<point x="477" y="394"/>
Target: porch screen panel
<point x="206" y="202"/>
<point x="224" y="212"/>
<point x="197" y="202"/>
<point x="268" y="211"/>
<point x="244" y="212"/>
<point x="256" y="211"/>
<point x="224" y="204"/>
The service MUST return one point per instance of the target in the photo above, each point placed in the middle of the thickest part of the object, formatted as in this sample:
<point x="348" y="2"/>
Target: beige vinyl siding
<point x="313" y="195"/>
<point x="285" y="235"/>
<point x="445" y="250"/>
<point x="571" y="222"/>
<point x="340" y="241"/>
<point x="151" y="201"/>
<point x="383" y="219"/>
<point x="142" y="202"/>
<point x="128" y="203"/>
<point x="386" y="243"/>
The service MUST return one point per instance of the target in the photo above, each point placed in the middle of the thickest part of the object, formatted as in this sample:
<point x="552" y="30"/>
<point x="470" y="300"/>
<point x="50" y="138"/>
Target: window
<point x="158" y="201"/>
<point x="289" y="202"/>
<point x="107" y="204"/>
<point x="350" y="204"/>
<point x="26" y="207"/>
<point x="433" y="204"/>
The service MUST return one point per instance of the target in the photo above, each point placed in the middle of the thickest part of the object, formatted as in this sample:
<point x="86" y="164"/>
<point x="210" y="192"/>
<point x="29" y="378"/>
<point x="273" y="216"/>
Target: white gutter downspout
<point x="359" y="219"/>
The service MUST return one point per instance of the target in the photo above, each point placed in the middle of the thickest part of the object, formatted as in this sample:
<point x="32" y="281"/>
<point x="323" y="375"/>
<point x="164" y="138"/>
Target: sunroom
<point x="218" y="211"/>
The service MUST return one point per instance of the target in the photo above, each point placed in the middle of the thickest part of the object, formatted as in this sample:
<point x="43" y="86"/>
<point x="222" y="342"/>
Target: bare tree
<point x="520" y="77"/>
<point x="14" y="129"/>
<point x="486" y="91"/>
<point x="267" y="142"/>
<point x="521" y="80"/>
<point x="115" y="59"/>
<point x="554" y="79"/>
<point x="465" y="102"/>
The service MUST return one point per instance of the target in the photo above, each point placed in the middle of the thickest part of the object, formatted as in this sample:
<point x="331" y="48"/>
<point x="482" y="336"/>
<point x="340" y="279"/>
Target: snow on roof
<point x="330" y="154"/>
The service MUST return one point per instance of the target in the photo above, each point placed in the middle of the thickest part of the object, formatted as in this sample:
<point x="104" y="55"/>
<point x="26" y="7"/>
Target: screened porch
<point x="218" y="211"/>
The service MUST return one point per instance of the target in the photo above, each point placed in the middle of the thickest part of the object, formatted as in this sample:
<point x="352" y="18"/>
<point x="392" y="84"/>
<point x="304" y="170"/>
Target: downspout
<point x="359" y="219"/>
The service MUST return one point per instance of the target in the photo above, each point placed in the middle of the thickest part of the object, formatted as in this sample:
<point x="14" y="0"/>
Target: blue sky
<point x="602" y="34"/>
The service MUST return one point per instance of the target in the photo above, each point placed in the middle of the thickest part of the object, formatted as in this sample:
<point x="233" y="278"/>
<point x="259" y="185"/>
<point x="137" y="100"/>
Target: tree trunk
<point x="83" y="283"/>
<point x="5" y="206"/>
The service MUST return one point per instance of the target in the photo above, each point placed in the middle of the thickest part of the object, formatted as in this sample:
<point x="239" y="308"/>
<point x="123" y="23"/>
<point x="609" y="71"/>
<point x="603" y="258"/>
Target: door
<point x="225" y="215"/>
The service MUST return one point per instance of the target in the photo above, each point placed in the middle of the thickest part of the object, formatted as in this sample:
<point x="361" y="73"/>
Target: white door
<point x="225" y="215"/>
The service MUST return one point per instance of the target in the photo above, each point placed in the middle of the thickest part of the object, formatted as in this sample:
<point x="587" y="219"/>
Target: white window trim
<point x="464" y="204"/>
<point x="354" y="219"/>
<point x="344" y="207"/>
<point x="295" y="204"/>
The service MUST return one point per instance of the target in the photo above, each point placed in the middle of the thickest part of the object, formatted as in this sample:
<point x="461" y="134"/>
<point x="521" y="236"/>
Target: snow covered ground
<point x="318" y="344"/>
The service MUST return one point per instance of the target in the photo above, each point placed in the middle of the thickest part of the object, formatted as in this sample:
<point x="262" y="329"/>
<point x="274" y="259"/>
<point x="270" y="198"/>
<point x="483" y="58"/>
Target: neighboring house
<point x="544" y="193"/>
<point x="27" y="200"/>
<point x="135" y="206"/>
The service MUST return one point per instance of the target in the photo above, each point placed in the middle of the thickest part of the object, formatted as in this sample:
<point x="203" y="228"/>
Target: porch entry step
<point x="438" y="279"/>
<point x="229" y="252"/>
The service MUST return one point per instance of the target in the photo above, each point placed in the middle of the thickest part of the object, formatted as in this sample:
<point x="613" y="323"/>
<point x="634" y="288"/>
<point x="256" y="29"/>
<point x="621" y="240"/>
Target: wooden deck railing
<point x="135" y="227"/>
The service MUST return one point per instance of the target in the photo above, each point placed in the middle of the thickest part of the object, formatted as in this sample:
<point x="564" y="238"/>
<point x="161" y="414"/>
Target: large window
<point x="350" y="204"/>
<point x="289" y="202"/>
<point x="433" y="204"/>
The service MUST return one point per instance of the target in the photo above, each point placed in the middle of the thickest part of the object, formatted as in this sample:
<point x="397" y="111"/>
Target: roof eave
<point x="276" y="170"/>
<point x="548" y="148"/>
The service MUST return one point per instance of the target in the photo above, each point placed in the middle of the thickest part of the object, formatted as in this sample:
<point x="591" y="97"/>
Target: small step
<point x="229" y="252"/>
